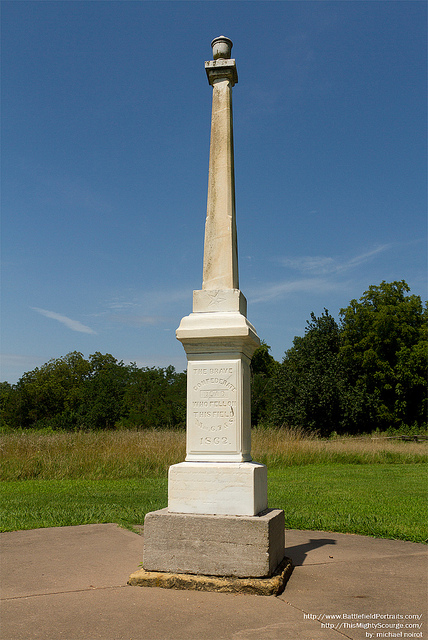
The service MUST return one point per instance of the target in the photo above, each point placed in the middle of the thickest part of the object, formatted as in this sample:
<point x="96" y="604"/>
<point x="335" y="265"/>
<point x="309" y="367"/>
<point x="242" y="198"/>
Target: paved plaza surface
<point x="70" y="583"/>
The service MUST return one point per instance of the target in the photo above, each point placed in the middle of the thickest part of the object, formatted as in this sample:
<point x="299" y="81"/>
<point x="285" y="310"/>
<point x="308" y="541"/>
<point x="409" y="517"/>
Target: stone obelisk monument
<point x="217" y="521"/>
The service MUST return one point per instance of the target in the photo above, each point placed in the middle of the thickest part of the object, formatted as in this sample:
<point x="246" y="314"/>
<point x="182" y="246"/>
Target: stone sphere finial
<point x="222" y="47"/>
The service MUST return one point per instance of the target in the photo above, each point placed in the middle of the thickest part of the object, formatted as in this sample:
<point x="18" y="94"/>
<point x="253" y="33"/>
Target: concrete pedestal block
<point x="241" y="546"/>
<point x="217" y="488"/>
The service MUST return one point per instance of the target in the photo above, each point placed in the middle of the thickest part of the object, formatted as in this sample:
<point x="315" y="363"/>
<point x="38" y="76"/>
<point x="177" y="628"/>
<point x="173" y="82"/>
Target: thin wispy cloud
<point x="322" y="265"/>
<point x="74" y="325"/>
<point x="365" y="257"/>
<point x="149" y="303"/>
<point x="164" y="297"/>
<point x="310" y="264"/>
<point x="282" y="289"/>
<point x="136" y="320"/>
<point x="320" y="274"/>
<point x="121" y="305"/>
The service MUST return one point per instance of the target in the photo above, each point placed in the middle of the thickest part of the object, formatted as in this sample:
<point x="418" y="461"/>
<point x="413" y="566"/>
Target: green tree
<point x="8" y="408"/>
<point x="383" y="349"/>
<point x="102" y="402"/>
<point x="263" y="370"/>
<point x="310" y="389"/>
<point x="156" y="398"/>
<point x="99" y="393"/>
<point x="50" y="396"/>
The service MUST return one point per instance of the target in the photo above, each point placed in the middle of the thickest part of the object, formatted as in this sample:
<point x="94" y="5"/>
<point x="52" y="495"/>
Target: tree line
<point x="365" y="372"/>
<point x="73" y="393"/>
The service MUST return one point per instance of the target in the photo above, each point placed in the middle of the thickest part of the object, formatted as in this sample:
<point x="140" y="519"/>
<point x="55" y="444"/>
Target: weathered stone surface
<point x="218" y="409"/>
<point x="222" y="47"/>
<point x="217" y="488"/>
<point x="220" y="250"/>
<point x="272" y="586"/>
<point x="240" y="546"/>
<point x="209" y="301"/>
<point x="218" y="331"/>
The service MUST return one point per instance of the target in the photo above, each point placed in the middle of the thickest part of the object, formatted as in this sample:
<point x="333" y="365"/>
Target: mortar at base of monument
<point x="272" y="586"/>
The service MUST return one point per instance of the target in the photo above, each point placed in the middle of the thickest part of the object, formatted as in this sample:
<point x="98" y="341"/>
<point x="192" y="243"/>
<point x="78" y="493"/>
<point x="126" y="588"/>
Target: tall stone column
<point x="218" y="495"/>
<point x="220" y="251"/>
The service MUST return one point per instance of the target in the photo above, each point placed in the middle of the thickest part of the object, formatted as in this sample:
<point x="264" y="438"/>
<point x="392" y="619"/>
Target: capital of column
<point x="221" y="69"/>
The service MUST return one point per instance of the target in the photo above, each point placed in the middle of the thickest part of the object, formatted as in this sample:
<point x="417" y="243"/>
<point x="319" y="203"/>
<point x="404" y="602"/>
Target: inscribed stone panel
<point x="213" y="392"/>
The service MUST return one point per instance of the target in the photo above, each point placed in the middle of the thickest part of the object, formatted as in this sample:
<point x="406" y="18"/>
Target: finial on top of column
<point x="222" y="47"/>
<point x="223" y="66"/>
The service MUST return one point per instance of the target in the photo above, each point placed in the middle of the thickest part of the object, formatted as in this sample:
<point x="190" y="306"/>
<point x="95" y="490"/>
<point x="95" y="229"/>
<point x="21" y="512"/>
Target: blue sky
<point x="105" y="124"/>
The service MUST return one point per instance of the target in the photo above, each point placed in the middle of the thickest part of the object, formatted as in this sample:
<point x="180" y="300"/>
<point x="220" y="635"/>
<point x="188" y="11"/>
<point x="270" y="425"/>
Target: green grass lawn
<point x="30" y="504"/>
<point x="381" y="500"/>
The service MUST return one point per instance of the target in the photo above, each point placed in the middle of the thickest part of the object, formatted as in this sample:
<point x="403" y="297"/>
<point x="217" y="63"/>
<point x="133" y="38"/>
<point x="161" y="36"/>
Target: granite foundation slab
<point x="210" y="545"/>
<point x="272" y="586"/>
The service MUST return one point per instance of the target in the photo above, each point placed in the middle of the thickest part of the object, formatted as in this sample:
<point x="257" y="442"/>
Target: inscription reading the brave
<point x="212" y="407"/>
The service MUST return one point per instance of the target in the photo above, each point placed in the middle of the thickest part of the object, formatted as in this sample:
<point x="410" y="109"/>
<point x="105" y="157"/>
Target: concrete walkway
<point x="70" y="584"/>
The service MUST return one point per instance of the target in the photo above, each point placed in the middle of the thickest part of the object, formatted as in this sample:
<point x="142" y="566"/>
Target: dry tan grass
<point x="113" y="454"/>
<point x="133" y="454"/>
<point x="290" y="446"/>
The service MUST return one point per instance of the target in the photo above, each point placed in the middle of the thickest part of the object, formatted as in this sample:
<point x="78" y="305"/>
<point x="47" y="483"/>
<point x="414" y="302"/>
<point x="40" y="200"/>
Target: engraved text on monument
<point x="212" y="410"/>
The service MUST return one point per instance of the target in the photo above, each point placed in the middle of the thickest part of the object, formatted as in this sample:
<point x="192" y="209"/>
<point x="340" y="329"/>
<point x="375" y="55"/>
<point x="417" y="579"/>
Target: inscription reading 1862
<point x="213" y="406"/>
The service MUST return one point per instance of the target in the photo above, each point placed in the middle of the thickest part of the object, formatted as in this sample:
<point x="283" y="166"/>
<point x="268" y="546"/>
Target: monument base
<point x="239" y="546"/>
<point x="272" y="586"/>
<point x="217" y="488"/>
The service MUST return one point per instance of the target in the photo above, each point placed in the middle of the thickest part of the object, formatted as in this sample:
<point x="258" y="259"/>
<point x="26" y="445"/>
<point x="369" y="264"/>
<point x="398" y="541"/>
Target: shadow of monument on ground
<point x="299" y="552"/>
